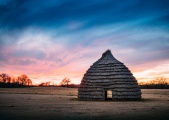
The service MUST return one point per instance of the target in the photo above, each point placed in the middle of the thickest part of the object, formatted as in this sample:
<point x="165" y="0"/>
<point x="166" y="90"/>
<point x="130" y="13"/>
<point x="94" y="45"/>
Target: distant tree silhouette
<point x="65" y="82"/>
<point x="1" y="79"/>
<point x="24" y="80"/>
<point x="5" y="77"/>
<point x="8" y="81"/>
<point x="13" y="80"/>
<point x="161" y="80"/>
<point x="45" y="83"/>
<point x="158" y="83"/>
<point x="29" y="82"/>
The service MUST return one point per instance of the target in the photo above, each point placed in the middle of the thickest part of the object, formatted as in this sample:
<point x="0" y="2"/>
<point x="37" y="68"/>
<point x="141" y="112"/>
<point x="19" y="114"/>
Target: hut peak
<point x="106" y="58"/>
<point x="107" y="53"/>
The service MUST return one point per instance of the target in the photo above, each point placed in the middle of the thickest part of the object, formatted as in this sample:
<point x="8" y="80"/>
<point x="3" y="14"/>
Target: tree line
<point x="158" y="83"/>
<point x="23" y="81"/>
<point x="9" y="81"/>
<point x="65" y="82"/>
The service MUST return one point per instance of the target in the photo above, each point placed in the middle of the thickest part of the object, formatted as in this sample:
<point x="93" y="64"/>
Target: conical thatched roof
<point x="108" y="74"/>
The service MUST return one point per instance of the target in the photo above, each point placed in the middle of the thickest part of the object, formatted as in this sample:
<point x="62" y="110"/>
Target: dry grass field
<point x="55" y="103"/>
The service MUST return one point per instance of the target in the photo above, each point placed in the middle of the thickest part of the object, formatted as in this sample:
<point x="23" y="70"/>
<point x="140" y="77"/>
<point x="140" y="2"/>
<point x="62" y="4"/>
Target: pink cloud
<point x="43" y="59"/>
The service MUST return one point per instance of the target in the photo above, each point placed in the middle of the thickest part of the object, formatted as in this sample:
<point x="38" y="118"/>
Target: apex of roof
<point x="107" y="55"/>
<point x="106" y="58"/>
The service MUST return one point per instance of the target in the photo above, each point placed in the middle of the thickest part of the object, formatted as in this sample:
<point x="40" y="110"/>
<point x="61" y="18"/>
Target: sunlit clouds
<point x="59" y="39"/>
<point x="152" y="73"/>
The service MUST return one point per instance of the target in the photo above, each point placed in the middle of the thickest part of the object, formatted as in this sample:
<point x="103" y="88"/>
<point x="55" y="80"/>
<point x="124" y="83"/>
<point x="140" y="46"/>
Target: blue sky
<point x="53" y="39"/>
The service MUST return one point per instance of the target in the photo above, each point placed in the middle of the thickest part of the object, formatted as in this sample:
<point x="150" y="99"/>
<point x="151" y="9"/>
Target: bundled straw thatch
<point x="109" y="74"/>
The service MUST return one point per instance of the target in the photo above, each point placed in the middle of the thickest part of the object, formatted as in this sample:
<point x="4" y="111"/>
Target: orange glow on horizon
<point x="76" y="73"/>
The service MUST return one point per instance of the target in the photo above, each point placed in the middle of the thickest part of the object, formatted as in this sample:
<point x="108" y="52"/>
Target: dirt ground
<point x="54" y="103"/>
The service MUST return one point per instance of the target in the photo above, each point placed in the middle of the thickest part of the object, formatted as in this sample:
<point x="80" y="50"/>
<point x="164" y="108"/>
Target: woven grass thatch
<point x="109" y="74"/>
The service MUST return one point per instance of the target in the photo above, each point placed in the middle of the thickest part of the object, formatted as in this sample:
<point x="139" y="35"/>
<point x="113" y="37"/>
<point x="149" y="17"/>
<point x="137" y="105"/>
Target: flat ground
<point x="54" y="103"/>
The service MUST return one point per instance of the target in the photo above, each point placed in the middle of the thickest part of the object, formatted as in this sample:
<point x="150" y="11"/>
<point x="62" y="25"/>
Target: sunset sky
<point x="52" y="39"/>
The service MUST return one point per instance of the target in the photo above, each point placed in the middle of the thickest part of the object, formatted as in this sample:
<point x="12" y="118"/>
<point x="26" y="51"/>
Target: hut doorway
<point x="108" y="95"/>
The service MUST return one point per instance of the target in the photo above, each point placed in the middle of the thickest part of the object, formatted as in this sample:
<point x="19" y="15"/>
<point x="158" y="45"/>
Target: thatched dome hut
<point x="109" y="74"/>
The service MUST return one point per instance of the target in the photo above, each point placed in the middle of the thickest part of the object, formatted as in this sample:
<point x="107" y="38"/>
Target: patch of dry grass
<point x="61" y="103"/>
<point x="41" y="91"/>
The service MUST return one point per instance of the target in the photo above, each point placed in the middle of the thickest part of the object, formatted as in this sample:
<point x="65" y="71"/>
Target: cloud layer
<point x="51" y="40"/>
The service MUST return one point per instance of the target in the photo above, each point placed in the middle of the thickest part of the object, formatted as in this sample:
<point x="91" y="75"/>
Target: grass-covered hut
<point x="109" y="74"/>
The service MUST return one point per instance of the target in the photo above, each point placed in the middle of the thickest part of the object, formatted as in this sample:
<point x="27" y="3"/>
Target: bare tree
<point x="161" y="80"/>
<point x="1" y="79"/>
<point x="13" y="80"/>
<point x="65" y="81"/>
<point x="45" y="83"/>
<point x="5" y="78"/>
<point x="8" y="79"/>
<point x="23" y="80"/>
<point x="29" y="82"/>
<point x="153" y="82"/>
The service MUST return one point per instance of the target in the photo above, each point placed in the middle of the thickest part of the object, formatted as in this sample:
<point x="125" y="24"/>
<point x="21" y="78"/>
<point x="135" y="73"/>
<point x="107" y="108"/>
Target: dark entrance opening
<point x="108" y="95"/>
